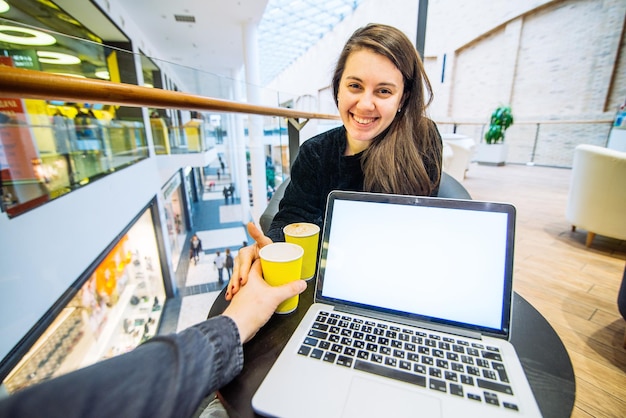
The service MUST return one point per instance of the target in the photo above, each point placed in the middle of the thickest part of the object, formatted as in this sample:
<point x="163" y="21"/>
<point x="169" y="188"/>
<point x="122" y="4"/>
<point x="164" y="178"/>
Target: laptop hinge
<point x="410" y="322"/>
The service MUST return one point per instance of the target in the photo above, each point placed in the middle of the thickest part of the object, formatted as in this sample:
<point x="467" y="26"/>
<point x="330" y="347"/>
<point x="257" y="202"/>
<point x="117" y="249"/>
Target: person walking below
<point x="63" y="143"/>
<point x="229" y="263"/>
<point x="226" y="193"/>
<point x="195" y="247"/>
<point x="231" y="193"/>
<point x="219" y="263"/>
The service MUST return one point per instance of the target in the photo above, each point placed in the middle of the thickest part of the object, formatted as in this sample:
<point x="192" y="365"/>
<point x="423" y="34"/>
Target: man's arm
<point x="165" y="377"/>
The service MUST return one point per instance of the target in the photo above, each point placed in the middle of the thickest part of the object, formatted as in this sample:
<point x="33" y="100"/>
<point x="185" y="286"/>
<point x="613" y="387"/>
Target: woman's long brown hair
<point x="401" y="158"/>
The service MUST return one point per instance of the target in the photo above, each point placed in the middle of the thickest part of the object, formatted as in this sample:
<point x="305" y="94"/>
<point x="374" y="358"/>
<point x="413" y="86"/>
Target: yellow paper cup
<point x="305" y="235"/>
<point x="282" y="263"/>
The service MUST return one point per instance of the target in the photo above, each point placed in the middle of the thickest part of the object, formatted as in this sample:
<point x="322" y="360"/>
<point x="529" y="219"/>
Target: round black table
<point x="542" y="354"/>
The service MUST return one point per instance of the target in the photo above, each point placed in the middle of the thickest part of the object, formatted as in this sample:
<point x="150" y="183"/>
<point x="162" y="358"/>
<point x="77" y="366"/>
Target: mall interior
<point x="100" y="199"/>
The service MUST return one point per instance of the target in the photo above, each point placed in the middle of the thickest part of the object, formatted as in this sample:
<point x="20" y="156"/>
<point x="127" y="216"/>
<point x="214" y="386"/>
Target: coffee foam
<point x="301" y="229"/>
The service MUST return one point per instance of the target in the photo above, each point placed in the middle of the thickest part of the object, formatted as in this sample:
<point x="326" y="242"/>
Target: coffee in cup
<point x="305" y="235"/>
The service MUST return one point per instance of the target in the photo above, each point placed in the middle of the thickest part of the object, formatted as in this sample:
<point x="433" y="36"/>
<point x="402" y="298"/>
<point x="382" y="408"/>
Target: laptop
<point x="411" y="315"/>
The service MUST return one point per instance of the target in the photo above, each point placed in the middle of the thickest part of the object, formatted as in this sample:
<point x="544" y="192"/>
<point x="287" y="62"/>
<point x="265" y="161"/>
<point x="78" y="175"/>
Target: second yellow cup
<point x="305" y="235"/>
<point x="282" y="263"/>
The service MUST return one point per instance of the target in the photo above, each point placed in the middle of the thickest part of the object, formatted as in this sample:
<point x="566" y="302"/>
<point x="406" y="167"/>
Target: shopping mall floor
<point x="219" y="226"/>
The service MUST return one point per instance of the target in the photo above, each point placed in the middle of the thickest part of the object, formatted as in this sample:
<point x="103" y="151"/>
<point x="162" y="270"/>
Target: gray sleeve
<point x="168" y="376"/>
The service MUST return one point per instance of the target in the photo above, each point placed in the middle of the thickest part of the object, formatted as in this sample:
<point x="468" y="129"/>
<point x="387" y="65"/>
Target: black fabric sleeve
<point x="301" y="201"/>
<point x="167" y="376"/>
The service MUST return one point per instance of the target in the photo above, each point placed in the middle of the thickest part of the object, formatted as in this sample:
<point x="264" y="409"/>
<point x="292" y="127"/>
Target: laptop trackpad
<point x="369" y="398"/>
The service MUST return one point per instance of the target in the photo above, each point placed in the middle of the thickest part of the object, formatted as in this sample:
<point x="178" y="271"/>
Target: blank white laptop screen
<point x="435" y="262"/>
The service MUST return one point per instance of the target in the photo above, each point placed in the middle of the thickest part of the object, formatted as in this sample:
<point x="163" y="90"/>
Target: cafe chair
<point x="597" y="194"/>
<point x="272" y="207"/>
<point x="449" y="187"/>
<point x="458" y="151"/>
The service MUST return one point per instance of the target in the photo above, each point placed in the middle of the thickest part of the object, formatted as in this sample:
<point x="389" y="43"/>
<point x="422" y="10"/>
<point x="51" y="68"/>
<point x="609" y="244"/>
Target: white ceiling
<point x="214" y="42"/>
<point x="289" y="27"/>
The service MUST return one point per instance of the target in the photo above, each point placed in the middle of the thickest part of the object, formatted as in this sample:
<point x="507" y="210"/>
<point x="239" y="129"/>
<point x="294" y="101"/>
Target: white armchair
<point x="597" y="194"/>
<point x="458" y="151"/>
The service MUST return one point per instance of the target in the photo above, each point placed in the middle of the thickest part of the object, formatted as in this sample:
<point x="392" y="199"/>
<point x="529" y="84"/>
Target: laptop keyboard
<point x="443" y="363"/>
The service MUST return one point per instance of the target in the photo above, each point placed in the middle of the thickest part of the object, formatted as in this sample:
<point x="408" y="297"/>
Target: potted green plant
<point x="493" y="150"/>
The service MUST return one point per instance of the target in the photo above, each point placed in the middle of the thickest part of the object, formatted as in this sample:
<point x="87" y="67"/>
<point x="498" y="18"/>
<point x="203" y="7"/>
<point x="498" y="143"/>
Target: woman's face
<point x="369" y="96"/>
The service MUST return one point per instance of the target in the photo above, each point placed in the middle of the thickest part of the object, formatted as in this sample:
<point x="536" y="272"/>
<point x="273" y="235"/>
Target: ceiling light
<point x="185" y="18"/>
<point x="103" y="74"/>
<point x="68" y="19"/>
<point x="4" y="6"/>
<point x="48" y="57"/>
<point x="35" y="37"/>
<point x="71" y="75"/>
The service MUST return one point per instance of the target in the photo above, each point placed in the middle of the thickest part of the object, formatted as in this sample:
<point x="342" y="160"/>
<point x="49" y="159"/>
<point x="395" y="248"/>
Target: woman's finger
<point x="258" y="236"/>
<point x="241" y="269"/>
<point x="245" y="257"/>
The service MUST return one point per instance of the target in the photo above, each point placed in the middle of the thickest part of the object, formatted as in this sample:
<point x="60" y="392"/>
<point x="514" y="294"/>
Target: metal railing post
<point x="293" y="130"/>
<point x="532" y="153"/>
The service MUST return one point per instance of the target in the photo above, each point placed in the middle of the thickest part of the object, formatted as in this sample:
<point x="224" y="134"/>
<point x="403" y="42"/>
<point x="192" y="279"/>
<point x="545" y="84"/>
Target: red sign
<point x="18" y="154"/>
<point x="17" y="150"/>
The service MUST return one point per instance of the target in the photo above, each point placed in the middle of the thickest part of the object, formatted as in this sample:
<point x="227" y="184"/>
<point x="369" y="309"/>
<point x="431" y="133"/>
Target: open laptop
<point x="411" y="315"/>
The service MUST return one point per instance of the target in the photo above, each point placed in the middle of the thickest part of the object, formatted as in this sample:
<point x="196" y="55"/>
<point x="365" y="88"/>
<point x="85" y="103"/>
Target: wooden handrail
<point x="30" y="84"/>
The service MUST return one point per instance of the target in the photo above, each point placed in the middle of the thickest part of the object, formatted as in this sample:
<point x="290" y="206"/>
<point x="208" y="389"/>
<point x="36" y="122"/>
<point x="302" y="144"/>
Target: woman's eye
<point x="385" y="91"/>
<point x="354" y="86"/>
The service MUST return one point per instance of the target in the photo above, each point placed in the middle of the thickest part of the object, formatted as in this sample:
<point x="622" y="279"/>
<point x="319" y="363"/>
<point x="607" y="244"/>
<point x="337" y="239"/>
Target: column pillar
<point x="255" y="122"/>
<point x="237" y="138"/>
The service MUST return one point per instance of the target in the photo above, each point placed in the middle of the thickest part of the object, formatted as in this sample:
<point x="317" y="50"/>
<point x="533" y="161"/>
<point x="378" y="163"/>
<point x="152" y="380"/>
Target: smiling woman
<point x="386" y="143"/>
<point x="369" y="98"/>
<point x="404" y="155"/>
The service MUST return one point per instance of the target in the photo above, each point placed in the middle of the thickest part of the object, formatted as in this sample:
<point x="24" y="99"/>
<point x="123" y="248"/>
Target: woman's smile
<point x="370" y="92"/>
<point x="362" y="120"/>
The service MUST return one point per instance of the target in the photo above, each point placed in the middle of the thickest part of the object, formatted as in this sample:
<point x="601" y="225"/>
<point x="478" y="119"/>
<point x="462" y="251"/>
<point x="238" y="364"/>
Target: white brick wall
<point x="560" y="65"/>
<point x="549" y="59"/>
<point x="560" y="60"/>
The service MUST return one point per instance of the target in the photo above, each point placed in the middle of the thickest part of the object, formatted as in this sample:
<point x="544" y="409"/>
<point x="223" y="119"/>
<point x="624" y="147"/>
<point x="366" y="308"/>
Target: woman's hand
<point x="256" y="302"/>
<point x="245" y="257"/>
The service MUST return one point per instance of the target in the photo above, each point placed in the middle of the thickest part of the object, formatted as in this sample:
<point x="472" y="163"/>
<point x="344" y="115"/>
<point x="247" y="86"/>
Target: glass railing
<point x="51" y="147"/>
<point x="545" y="143"/>
<point x="45" y="161"/>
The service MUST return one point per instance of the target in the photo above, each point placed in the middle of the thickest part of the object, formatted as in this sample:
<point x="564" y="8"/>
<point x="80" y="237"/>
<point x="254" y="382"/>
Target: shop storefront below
<point x="118" y="307"/>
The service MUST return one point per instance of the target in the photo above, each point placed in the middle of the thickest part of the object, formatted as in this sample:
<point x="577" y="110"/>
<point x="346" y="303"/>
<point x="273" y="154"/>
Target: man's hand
<point x="254" y="303"/>
<point x="245" y="257"/>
